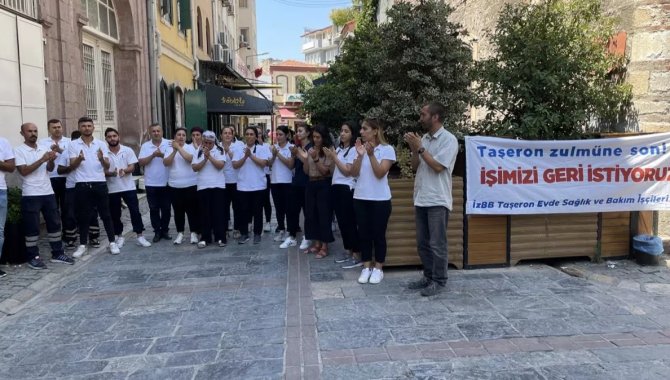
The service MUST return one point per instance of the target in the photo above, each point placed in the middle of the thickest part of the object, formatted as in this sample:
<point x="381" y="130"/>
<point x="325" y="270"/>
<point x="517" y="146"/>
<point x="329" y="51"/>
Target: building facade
<point x="321" y="46"/>
<point x="293" y="78"/>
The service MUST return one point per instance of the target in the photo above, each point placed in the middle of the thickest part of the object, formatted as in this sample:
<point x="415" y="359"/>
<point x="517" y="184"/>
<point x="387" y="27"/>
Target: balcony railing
<point x="25" y="7"/>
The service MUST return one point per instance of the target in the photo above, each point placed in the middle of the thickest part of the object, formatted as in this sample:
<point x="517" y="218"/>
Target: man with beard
<point x="433" y="159"/>
<point x="122" y="186"/>
<point x="58" y="144"/>
<point x="34" y="163"/>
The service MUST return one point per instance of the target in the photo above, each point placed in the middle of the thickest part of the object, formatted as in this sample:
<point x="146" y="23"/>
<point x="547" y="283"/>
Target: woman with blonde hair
<point x="372" y="197"/>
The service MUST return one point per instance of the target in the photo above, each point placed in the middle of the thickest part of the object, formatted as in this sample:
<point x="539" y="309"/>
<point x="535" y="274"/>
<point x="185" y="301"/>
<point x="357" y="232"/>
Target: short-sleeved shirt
<point x="346" y="156"/>
<point x="251" y="177"/>
<point x="63" y="143"/>
<point x="300" y="178"/>
<point x="180" y="173"/>
<point x="229" y="170"/>
<point x="267" y="169"/>
<point x="209" y="177"/>
<point x="121" y="160"/>
<point x="368" y="186"/>
<point x="431" y="188"/>
<point x="64" y="160"/>
<point x="6" y="153"/>
<point x="280" y="172"/>
<point x="313" y="171"/>
<point x="155" y="173"/>
<point x="90" y="169"/>
<point x="36" y="183"/>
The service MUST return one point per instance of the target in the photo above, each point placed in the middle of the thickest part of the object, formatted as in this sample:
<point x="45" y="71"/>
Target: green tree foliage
<point x="551" y="75"/>
<point x="341" y="16"/>
<point x="390" y="71"/>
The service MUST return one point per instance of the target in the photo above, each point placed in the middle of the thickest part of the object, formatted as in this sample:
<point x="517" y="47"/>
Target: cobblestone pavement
<point x="255" y="311"/>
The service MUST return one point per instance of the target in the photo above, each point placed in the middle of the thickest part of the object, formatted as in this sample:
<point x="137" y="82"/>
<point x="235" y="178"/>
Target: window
<point x="166" y="10"/>
<point x="199" y="27"/>
<point x="207" y="36"/>
<point x="282" y="80"/>
<point x="99" y="87"/>
<point x="244" y="35"/>
<point x="101" y="16"/>
<point x="243" y="4"/>
<point x="184" y="15"/>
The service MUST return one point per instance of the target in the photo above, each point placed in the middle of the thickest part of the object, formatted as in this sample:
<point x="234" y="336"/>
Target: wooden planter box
<point x="401" y="231"/>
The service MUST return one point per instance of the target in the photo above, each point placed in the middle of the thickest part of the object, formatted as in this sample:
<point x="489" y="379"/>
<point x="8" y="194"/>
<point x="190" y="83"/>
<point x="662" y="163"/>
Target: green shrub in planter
<point x="14" y="249"/>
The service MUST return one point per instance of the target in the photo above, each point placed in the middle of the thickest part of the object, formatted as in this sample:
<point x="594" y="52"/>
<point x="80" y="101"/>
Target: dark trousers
<point x="231" y="198"/>
<point x="211" y="218"/>
<point x="89" y="197"/>
<point x="267" y="206"/>
<point x="31" y="206"/>
<point x="372" y="218"/>
<point x="251" y="207"/>
<point x="296" y="204"/>
<point x="431" y="241"/>
<point x="280" y="196"/>
<point x="318" y="211"/>
<point x="343" y="204"/>
<point x="71" y="227"/>
<point x="158" y="198"/>
<point x="185" y="204"/>
<point x="58" y="185"/>
<point x="130" y="197"/>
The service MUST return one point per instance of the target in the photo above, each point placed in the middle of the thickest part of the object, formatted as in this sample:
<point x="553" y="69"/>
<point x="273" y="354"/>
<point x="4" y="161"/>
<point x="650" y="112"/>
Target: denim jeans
<point x="431" y="240"/>
<point x="158" y="198"/>
<point x="3" y="216"/>
<point x="31" y="206"/>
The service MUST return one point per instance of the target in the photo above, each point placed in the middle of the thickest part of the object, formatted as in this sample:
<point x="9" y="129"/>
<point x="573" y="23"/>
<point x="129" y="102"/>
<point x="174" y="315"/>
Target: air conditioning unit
<point x="223" y="39"/>
<point x="219" y="52"/>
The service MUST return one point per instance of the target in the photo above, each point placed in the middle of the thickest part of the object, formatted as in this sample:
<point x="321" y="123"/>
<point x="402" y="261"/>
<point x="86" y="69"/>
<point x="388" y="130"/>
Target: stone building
<point x="290" y="77"/>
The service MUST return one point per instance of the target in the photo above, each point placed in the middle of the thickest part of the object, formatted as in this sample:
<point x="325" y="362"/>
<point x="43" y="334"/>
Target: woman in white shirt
<point x="281" y="178"/>
<point x="208" y="162"/>
<point x="343" y="191"/>
<point x="182" y="181"/>
<point x="372" y="197"/>
<point x="230" y="144"/>
<point x="251" y="183"/>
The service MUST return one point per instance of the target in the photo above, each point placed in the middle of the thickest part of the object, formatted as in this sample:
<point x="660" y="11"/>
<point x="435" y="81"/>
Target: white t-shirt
<point x="368" y="186"/>
<point x="346" y="156"/>
<point x="180" y="173"/>
<point x="6" y="153"/>
<point x="47" y="142"/>
<point x="231" y="173"/>
<point x="90" y="169"/>
<point x="280" y="172"/>
<point x="155" y="173"/>
<point x="209" y="177"/>
<point x="64" y="160"/>
<point x="37" y="182"/>
<point x="267" y="169"/>
<point x="251" y="177"/>
<point x="125" y="157"/>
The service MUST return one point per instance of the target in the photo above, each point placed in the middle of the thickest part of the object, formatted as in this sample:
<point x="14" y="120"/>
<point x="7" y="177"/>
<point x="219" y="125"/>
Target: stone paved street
<point x="177" y="312"/>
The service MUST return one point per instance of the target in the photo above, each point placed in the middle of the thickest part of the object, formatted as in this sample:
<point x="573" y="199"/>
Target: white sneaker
<point x="365" y="276"/>
<point x="305" y="243"/>
<point x="202" y="244"/>
<point x="376" y="276"/>
<point x="143" y="242"/>
<point x="194" y="238"/>
<point x="268" y="227"/>
<point x="81" y="251"/>
<point x="280" y="236"/>
<point x="120" y="241"/>
<point x="289" y="242"/>
<point x="179" y="239"/>
<point x="114" y="249"/>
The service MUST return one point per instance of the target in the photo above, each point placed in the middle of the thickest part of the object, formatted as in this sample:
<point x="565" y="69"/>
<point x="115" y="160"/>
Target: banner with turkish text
<point x="506" y="176"/>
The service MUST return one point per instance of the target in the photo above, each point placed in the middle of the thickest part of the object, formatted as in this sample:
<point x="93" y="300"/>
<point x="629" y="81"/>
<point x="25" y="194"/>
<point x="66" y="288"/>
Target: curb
<point x="651" y="287"/>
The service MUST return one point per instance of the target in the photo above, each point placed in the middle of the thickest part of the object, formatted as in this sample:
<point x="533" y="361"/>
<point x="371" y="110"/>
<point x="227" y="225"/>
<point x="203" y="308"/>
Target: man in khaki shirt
<point x="433" y="158"/>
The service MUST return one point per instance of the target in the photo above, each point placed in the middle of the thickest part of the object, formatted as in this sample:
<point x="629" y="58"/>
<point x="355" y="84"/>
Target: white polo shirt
<point x="180" y="173"/>
<point x="209" y="177"/>
<point x="155" y="173"/>
<point x="36" y="183"/>
<point x="117" y="161"/>
<point x="6" y="153"/>
<point x="347" y="156"/>
<point x="90" y="169"/>
<point x="230" y="172"/>
<point x="368" y="186"/>
<point x="64" y="160"/>
<point x="251" y="177"/>
<point x="431" y="188"/>
<point x="280" y="172"/>
<point x="47" y="142"/>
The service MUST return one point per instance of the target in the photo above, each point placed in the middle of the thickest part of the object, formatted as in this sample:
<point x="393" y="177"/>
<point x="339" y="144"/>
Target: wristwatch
<point x="421" y="150"/>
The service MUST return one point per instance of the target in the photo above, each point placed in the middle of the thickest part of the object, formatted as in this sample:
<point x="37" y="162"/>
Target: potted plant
<point x="14" y="249"/>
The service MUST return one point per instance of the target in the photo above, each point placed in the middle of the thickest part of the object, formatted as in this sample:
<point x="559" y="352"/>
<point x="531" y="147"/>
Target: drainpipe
<point x="153" y="60"/>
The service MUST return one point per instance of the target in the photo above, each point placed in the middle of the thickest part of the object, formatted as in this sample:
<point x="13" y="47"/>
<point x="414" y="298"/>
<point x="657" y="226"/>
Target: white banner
<point x="506" y="176"/>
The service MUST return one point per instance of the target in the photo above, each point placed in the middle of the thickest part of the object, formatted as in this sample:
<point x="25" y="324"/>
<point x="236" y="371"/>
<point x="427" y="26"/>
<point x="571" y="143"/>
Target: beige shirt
<point x="432" y="188"/>
<point x="313" y="171"/>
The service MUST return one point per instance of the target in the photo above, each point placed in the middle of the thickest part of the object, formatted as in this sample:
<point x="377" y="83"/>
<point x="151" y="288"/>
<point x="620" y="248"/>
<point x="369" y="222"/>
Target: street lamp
<point x="251" y="56"/>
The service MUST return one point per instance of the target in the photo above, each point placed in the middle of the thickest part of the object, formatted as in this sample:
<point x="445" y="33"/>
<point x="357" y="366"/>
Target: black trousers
<point x="267" y="206"/>
<point x="343" y="204"/>
<point x="372" y="217"/>
<point x="251" y="207"/>
<point x="232" y="198"/>
<point x="58" y="185"/>
<point x="158" y="198"/>
<point x="318" y="211"/>
<point x="296" y="204"/>
<point x="89" y="196"/>
<point x="31" y="206"/>
<point x="71" y="228"/>
<point x="130" y="197"/>
<point x="280" y="196"/>
<point x="185" y="204"/>
<point x="211" y="218"/>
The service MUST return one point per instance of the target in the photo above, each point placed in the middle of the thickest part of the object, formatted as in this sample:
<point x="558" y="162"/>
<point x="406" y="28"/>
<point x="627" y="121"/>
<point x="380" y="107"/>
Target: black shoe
<point x="62" y="259"/>
<point x="2" y="274"/>
<point x="432" y="290"/>
<point x="419" y="284"/>
<point x="156" y="238"/>
<point x="165" y="236"/>
<point x="243" y="239"/>
<point x="95" y="243"/>
<point x="37" y="264"/>
<point x="70" y="244"/>
<point x="257" y="239"/>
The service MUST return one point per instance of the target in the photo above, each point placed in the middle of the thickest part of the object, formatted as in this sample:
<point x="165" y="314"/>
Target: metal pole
<point x="153" y="60"/>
